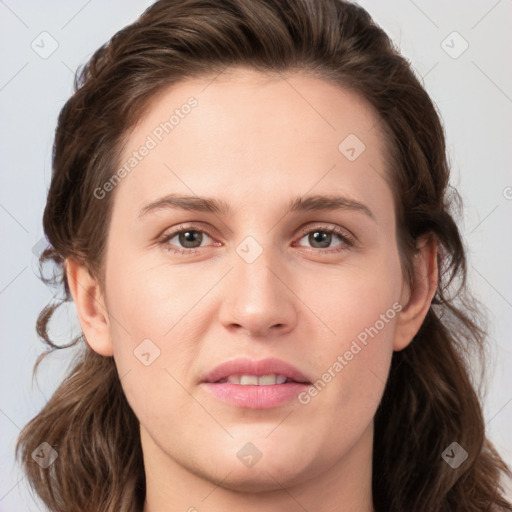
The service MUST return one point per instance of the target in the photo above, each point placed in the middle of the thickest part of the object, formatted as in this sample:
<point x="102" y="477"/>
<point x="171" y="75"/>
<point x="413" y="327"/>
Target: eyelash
<point x="346" y="239"/>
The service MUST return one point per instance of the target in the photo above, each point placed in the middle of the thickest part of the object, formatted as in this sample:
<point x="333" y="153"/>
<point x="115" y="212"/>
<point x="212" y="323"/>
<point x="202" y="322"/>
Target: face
<point x="256" y="230"/>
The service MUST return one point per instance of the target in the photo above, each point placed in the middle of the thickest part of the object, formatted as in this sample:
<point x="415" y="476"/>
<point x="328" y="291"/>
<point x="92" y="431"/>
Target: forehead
<point x="250" y="133"/>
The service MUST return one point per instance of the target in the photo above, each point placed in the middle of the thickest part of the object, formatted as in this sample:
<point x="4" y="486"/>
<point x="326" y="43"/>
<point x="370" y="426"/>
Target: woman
<point x="249" y="210"/>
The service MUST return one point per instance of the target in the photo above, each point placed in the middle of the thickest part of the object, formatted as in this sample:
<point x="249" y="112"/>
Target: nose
<point x="258" y="299"/>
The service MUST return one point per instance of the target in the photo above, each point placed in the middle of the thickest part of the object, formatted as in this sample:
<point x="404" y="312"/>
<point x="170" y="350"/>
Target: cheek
<point x="152" y="336"/>
<point x="353" y="297"/>
<point x="351" y="377"/>
<point x="360" y="309"/>
<point x="149" y="300"/>
<point x="156" y="327"/>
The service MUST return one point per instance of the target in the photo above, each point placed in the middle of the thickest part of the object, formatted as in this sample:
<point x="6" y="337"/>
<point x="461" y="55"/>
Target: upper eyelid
<point x="304" y="228"/>
<point x="176" y="231"/>
<point x="327" y="227"/>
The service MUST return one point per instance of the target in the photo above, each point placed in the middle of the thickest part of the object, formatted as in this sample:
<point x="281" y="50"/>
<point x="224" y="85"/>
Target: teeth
<point x="248" y="380"/>
<point x="267" y="380"/>
<point x="253" y="380"/>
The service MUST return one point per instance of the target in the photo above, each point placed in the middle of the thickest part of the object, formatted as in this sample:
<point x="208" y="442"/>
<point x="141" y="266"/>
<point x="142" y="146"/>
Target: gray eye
<point x="320" y="239"/>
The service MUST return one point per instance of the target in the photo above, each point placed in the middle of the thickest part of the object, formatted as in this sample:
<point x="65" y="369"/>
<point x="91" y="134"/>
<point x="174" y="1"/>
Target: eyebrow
<point x="216" y="206"/>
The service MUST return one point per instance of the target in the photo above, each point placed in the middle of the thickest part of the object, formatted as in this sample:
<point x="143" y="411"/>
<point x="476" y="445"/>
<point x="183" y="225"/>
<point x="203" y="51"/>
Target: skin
<point x="254" y="141"/>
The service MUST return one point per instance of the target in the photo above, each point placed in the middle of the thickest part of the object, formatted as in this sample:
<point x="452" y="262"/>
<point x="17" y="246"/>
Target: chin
<point x="263" y="478"/>
<point x="262" y="466"/>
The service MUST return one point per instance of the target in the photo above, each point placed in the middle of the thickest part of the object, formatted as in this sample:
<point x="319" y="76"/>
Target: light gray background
<point x="473" y="93"/>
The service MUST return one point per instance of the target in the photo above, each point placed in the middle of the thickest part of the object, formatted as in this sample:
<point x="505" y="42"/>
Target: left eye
<point x="322" y="238"/>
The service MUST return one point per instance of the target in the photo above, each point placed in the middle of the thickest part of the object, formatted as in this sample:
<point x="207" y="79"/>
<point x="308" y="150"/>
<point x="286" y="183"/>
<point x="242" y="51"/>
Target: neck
<point x="344" y="487"/>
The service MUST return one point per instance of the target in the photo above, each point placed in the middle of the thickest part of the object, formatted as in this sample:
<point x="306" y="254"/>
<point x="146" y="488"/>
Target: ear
<point x="90" y="306"/>
<point x="417" y="298"/>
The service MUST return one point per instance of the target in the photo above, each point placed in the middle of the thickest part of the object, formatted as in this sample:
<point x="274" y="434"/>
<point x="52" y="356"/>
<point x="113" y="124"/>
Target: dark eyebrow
<point x="192" y="203"/>
<point x="316" y="203"/>
<point x="299" y="204"/>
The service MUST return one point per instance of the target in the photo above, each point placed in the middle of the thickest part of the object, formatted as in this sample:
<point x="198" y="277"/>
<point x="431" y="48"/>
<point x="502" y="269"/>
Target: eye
<point x="185" y="240"/>
<point x="323" y="237"/>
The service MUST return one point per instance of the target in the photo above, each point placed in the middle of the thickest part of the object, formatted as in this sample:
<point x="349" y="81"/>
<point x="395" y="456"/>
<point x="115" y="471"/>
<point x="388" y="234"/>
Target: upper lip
<point x="246" y="366"/>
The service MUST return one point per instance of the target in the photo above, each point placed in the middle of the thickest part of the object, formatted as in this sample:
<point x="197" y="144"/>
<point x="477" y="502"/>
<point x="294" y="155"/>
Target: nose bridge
<point x="258" y="300"/>
<point x="253" y="269"/>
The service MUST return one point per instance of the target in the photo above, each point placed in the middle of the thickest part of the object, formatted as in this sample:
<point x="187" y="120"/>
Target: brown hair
<point x="429" y="401"/>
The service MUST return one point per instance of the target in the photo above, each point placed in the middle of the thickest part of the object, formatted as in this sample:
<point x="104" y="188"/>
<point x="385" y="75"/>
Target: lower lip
<point x="256" y="397"/>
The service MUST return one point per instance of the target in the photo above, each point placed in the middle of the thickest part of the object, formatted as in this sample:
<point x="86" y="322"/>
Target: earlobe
<point x="90" y="306"/>
<point x="417" y="298"/>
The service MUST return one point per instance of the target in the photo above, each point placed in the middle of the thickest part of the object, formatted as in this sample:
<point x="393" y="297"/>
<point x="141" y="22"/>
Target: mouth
<point x="255" y="380"/>
<point x="248" y="372"/>
<point x="263" y="384"/>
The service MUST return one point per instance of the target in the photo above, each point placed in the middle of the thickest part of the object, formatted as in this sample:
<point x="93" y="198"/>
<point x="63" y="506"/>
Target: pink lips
<point x="255" y="396"/>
